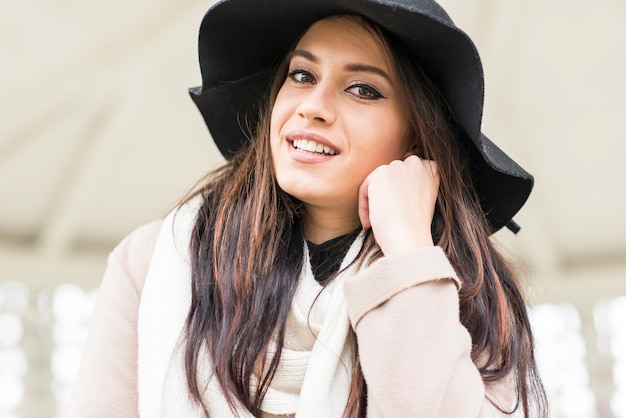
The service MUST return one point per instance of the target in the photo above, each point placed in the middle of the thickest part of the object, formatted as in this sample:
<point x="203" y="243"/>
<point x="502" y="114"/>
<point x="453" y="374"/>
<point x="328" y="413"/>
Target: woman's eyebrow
<point x="368" y="69"/>
<point x="304" y="54"/>
<point x="355" y="68"/>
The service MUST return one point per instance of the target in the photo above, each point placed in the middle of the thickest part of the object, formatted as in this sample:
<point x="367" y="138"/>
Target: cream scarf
<point x="315" y="371"/>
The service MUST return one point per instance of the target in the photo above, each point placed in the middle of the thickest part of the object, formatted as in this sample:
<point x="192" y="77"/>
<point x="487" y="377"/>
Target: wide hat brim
<point x="240" y="42"/>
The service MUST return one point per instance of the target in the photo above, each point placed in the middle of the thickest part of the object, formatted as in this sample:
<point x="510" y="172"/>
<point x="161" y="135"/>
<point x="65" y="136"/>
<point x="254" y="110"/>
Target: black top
<point x="326" y="257"/>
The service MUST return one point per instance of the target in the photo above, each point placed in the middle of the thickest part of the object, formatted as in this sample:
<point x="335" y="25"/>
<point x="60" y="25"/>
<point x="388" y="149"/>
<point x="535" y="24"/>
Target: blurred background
<point x="98" y="136"/>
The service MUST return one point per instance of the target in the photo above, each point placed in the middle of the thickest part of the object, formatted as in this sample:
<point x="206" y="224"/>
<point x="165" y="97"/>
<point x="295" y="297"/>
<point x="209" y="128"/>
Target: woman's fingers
<point x="397" y="201"/>
<point x="363" y="204"/>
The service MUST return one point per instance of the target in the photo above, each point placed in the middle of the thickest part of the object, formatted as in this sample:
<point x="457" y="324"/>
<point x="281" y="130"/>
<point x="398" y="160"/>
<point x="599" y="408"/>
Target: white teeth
<point x="312" y="146"/>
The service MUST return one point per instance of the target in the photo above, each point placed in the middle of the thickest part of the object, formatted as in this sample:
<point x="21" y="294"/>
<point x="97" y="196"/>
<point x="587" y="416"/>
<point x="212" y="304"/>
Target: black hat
<point x="241" y="40"/>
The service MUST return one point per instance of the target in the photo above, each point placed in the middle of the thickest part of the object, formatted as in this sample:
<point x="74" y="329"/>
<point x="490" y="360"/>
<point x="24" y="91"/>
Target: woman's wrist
<point x="406" y="243"/>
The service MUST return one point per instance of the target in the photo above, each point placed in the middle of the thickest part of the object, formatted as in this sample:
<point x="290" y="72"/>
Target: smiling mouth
<point x="312" y="146"/>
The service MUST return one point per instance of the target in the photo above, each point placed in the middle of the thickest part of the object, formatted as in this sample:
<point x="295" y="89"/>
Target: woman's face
<point x="339" y="114"/>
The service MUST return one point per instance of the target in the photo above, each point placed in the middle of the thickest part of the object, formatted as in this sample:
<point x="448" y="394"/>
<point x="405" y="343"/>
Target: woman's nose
<point x="318" y="105"/>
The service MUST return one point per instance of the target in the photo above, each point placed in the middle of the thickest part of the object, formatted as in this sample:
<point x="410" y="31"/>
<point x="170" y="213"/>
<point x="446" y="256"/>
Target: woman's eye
<point x="300" y="76"/>
<point x="364" y="91"/>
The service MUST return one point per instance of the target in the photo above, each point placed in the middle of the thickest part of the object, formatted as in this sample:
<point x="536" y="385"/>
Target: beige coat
<point x="414" y="352"/>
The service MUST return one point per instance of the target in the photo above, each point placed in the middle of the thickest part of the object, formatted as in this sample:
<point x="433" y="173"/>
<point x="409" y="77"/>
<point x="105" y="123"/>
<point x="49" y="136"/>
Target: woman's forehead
<point x="347" y="30"/>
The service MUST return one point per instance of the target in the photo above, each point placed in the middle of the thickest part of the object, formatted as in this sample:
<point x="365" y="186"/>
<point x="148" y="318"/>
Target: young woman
<point x="339" y="264"/>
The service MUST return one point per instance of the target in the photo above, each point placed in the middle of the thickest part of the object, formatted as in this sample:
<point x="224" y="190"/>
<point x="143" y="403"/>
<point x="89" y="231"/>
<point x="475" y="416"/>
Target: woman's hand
<point x="397" y="201"/>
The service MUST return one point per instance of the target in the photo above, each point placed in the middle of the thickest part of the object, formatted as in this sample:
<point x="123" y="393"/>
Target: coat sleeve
<point x="106" y="385"/>
<point x="414" y="351"/>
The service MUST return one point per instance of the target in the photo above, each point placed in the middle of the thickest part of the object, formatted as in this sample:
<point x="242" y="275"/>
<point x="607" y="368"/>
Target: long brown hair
<point x="247" y="250"/>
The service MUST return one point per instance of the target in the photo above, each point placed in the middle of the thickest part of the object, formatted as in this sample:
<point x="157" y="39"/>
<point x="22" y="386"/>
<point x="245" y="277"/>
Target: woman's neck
<point x="321" y="224"/>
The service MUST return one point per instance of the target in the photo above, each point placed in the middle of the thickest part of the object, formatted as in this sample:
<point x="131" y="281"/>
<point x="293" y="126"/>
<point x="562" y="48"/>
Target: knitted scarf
<point x="313" y="377"/>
